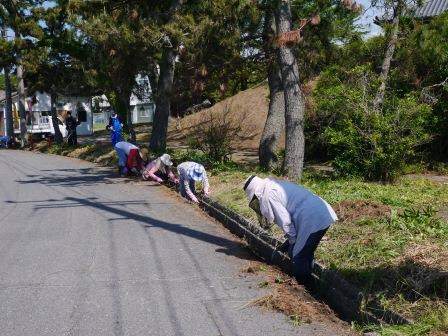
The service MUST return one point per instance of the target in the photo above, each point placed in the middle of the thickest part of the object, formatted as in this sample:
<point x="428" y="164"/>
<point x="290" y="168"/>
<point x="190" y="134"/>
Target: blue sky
<point x="367" y="19"/>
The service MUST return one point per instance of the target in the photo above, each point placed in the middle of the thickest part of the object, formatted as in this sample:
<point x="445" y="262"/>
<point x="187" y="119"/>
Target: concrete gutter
<point x="343" y="297"/>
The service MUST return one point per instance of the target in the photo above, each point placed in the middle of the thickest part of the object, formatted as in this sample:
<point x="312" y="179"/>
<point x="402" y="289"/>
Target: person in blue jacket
<point x="115" y="126"/>
<point x="5" y="141"/>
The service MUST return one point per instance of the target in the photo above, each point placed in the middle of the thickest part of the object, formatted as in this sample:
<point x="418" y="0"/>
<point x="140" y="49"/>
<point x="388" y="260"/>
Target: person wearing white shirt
<point x="303" y="216"/>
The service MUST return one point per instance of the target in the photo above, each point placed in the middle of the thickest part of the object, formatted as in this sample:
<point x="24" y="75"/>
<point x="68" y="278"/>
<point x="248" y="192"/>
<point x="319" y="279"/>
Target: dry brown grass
<point x="353" y="210"/>
<point x="254" y="101"/>
<point x="293" y="300"/>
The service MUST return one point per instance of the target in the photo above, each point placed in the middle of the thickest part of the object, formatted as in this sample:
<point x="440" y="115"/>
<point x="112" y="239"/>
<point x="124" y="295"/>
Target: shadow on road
<point x="76" y="177"/>
<point x="119" y="213"/>
<point x="226" y="246"/>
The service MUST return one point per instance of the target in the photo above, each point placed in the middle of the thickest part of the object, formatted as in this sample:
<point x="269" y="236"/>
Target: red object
<point x="133" y="159"/>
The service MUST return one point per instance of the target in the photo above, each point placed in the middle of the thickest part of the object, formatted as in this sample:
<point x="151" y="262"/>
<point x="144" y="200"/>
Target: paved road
<point x="84" y="253"/>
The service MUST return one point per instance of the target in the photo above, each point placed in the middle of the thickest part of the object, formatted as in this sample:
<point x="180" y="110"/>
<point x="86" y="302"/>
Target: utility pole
<point x="9" y="129"/>
<point x="21" y="97"/>
<point x="14" y="14"/>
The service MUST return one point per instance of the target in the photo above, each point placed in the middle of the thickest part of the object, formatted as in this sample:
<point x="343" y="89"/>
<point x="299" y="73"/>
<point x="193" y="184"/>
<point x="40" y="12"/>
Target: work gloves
<point x="287" y="246"/>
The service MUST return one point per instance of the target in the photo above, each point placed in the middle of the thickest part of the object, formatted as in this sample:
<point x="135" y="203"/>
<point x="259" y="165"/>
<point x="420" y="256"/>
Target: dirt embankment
<point x="250" y="105"/>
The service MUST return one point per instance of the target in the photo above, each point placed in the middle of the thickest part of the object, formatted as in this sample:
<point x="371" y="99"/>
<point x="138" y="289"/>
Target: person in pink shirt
<point x="159" y="170"/>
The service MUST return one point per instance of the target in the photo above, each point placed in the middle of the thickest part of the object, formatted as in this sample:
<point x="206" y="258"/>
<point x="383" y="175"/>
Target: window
<point x="143" y="112"/>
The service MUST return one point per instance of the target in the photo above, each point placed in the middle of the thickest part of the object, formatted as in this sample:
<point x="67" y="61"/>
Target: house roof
<point x="431" y="8"/>
<point x="427" y="10"/>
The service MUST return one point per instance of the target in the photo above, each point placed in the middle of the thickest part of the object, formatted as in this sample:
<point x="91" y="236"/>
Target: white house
<point x="38" y="107"/>
<point x="141" y="104"/>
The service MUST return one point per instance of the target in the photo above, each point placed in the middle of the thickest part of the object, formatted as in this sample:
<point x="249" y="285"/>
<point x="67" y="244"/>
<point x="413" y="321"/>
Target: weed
<point x="295" y="320"/>
<point x="420" y="222"/>
<point x="279" y="280"/>
<point x="263" y="284"/>
<point x="435" y="323"/>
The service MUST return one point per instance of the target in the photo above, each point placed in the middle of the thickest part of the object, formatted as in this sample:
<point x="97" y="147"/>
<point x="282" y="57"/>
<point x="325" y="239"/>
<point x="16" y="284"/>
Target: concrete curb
<point x="342" y="296"/>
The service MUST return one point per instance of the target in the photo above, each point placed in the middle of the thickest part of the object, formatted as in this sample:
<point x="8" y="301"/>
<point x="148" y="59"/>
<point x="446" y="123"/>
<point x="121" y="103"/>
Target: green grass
<point x="407" y="192"/>
<point x="435" y="322"/>
<point x="376" y="253"/>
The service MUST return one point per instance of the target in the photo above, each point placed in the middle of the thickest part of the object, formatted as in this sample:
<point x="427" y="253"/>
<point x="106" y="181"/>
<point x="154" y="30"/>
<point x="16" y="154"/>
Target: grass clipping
<point x="291" y="299"/>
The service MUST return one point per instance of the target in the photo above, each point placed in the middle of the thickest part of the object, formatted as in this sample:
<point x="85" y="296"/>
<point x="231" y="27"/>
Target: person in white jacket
<point x="303" y="216"/>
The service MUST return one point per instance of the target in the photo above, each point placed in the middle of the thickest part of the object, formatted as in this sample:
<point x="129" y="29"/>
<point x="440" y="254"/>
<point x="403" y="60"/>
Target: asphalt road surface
<point x="85" y="253"/>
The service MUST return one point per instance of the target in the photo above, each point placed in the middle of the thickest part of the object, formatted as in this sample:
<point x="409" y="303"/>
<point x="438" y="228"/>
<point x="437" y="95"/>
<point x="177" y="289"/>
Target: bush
<point x="362" y="142"/>
<point x="198" y="156"/>
<point x="218" y="132"/>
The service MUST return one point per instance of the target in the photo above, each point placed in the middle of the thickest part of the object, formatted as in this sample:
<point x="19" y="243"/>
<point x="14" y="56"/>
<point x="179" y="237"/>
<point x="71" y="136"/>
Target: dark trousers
<point x="304" y="260"/>
<point x="72" y="138"/>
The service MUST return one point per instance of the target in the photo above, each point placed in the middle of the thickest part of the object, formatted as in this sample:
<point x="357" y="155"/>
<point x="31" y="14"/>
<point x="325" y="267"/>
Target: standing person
<point x="159" y="170"/>
<point x="71" y="124"/>
<point x="303" y="216"/>
<point x="130" y="158"/>
<point x="115" y="126"/>
<point x="189" y="174"/>
<point x="5" y="141"/>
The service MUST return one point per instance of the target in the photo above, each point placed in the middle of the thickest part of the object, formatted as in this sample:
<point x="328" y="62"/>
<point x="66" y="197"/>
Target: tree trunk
<point x="8" y="106"/>
<point x="130" y="125"/>
<point x="379" y="97"/>
<point x="163" y="100"/>
<point x="54" y="117"/>
<point x="294" y="101"/>
<point x="125" y="96"/>
<point x="21" y="100"/>
<point x="275" y="121"/>
<point x="164" y="86"/>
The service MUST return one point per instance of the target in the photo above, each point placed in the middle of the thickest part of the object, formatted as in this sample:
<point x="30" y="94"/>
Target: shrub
<point x="363" y="142"/>
<point x="218" y="133"/>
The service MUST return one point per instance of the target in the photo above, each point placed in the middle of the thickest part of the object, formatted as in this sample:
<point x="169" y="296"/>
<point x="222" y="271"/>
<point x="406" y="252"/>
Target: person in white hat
<point x="159" y="170"/>
<point x="190" y="173"/>
<point x="303" y="216"/>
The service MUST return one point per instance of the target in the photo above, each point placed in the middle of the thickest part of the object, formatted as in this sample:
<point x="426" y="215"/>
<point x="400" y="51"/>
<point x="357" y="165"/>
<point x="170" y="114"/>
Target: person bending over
<point x="159" y="170"/>
<point x="303" y="216"/>
<point x="189" y="174"/>
<point x="130" y="158"/>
